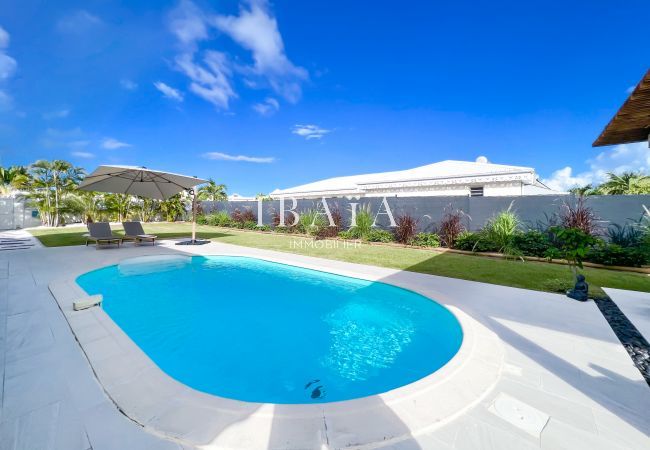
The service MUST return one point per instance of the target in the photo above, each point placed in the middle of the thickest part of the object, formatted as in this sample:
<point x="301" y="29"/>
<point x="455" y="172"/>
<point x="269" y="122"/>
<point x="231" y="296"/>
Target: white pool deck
<point x="536" y="370"/>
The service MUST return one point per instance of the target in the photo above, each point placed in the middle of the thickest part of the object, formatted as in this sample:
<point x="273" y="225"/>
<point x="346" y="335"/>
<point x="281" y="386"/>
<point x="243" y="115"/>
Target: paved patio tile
<point x="561" y="357"/>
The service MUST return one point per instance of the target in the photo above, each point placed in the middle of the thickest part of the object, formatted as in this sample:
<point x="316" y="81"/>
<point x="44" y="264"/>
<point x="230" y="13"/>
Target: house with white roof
<point x="444" y="178"/>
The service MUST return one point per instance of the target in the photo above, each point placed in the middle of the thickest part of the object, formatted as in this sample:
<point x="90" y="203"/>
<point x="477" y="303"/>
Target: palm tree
<point x="626" y="183"/>
<point x="211" y="191"/>
<point x="119" y="204"/>
<point x="49" y="183"/>
<point x="172" y="208"/>
<point x="14" y="177"/>
<point x="586" y="190"/>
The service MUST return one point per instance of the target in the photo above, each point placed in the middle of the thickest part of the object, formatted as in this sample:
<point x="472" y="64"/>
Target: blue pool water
<point x="259" y="331"/>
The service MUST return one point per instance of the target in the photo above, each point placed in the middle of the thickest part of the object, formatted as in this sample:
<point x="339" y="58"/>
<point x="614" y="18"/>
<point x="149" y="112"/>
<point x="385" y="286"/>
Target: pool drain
<point x="317" y="391"/>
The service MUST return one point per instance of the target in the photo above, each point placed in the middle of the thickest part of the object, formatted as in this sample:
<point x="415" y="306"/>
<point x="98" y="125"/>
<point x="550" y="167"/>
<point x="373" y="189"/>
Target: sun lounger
<point x="134" y="231"/>
<point x="100" y="233"/>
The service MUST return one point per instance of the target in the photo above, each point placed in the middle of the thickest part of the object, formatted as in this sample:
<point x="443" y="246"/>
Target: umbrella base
<point x="193" y="242"/>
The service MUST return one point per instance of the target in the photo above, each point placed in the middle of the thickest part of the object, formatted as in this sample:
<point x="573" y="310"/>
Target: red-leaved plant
<point x="406" y="229"/>
<point x="451" y="226"/>
<point x="580" y="217"/>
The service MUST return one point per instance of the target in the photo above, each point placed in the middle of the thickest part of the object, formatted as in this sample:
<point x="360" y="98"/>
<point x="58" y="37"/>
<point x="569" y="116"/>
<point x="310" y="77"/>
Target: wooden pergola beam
<point x="632" y="121"/>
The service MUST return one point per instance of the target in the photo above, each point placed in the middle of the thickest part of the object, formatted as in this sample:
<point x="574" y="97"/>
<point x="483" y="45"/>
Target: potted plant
<point x="573" y="245"/>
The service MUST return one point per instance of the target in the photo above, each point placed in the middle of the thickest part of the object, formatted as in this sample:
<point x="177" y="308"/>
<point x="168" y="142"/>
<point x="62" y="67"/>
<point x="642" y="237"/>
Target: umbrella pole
<point x="193" y="215"/>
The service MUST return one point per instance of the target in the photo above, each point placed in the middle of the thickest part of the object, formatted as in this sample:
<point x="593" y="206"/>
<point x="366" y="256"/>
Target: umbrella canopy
<point x="140" y="181"/>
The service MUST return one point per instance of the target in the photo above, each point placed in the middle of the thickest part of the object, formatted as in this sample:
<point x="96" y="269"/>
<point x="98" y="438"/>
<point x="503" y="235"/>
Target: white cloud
<point x="78" y="22"/>
<point x="85" y="155"/>
<point x="309" y="131"/>
<point x="187" y="22"/>
<point x="74" y="139"/>
<point x="169" y="91"/>
<point x="4" y="38"/>
<point x="210" y="81"/>
<point x="129" y="85"/>
<point x="6" y="102"/>
<point x="622" y="158"/>
<point x="254" y="29"/>
<point x="7" y="63"/>
<point x="227" y="157"/>
<point x="112" y="144"/>
<point x="630" y="89"/>
<point x="58" y="114"/>
<point x="268" y="107"/>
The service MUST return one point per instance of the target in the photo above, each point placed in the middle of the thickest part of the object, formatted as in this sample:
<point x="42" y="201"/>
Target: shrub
<point x="426" y="240"/>
<point x="532" y="243"/>
<point x="474" y="242"/>
<point x="249" y="225"/>
<point x="616" y="255"/>
<point x="347" y="234"/>
<point x="363" y="224"/>
<point x="201" y="219"/>
<point x="451" y="226"/>
<point x="406" y="229"/>
<point x="218" y="219"/>
<point x="243" y="216"/>
<point x="329" y="230"/>
<point x="560" y="285"/>
<point x="500" y="231"/>
<point x="580" y="217"/>
<point x="573" y="245"/>
<point x="380" y="236"/>
<point x="289" y="221"/>
<point x="626" y="235"/>
<point x="311" y="222"/>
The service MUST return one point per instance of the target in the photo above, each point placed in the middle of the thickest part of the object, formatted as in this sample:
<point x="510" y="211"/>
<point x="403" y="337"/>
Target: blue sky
<point x="263" y="95"/>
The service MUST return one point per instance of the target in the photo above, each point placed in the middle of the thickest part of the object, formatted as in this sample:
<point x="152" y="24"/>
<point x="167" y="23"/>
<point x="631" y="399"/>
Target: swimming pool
<point x="259" y="331"/>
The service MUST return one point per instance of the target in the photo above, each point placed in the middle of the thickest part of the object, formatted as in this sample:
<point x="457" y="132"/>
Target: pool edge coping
<point x="168" y="408"/>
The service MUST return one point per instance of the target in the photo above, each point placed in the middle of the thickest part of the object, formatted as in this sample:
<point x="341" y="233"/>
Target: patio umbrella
<point x="143" y="182"/>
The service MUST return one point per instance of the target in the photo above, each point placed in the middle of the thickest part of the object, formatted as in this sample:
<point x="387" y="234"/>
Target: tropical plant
<point x="589" y="189"/>
<point x="173" y="208"/>
<point x="264" y="197"/>
<point x="451" y="226"/>
<point x="49" y="183"/>
<point x="148" y="209"/>
<point x="362" y="224"/>
<point x="626" y="183"/>
<point x="573" y="246"/>
<point x="88" y="204"/>
<point x="579" y="216"/>
<point x="13" y="178"/>
<point x="311" y="222"/>
<point x="332" y="231"/>
<point x="501" y="230"/>
<point x="119" y="206"/>
<point x="626" y="235"/>
<point x="405" y="229"/>
<point x="211" y="191"/>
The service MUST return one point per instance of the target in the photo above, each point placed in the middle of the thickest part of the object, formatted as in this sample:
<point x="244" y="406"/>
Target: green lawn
<point x="529" y="275"/>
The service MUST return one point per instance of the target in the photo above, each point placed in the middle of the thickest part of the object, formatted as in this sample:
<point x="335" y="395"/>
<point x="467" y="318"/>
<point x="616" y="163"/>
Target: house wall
<point x="512" y="188"/>
<point x="15" y="214"/>
<point x="533" y="210"/>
